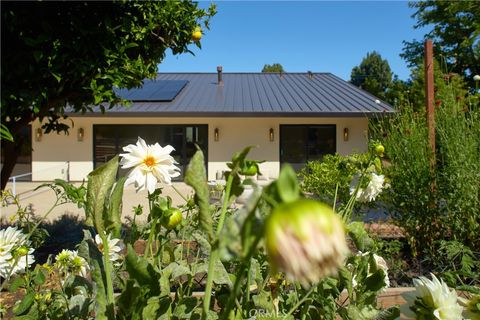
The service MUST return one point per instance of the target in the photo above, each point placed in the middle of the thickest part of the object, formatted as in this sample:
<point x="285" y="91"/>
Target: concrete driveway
<point x="43" y="199"/>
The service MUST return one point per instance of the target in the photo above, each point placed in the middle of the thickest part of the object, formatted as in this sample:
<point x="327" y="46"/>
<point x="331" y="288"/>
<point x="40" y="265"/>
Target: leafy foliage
<point x="61" y="58"/>
<point x="455" y="34"/>
<point x="322" y="177"/>
<point x="373" y="75"/>
<point x="274" y="67"/>
<point x="440" y="201"/>
<point x="221" y="253"/>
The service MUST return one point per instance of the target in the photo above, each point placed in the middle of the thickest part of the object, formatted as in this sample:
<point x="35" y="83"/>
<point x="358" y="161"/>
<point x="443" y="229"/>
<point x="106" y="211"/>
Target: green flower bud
<point x="306" y="240"/>
<point x="174" y="218"/>
<point x="379" y="150"/>
<point x="20" y="252"/>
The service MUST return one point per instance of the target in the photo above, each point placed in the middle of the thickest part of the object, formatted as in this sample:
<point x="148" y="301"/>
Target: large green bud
<point x="306" y="240"/>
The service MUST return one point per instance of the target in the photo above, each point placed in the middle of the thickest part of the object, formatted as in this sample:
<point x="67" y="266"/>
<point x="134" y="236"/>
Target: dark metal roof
<point x="258" y="95"/>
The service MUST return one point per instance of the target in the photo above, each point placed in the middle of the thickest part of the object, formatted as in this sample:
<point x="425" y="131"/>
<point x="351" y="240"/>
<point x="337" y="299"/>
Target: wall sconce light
<point x="345" y="134"/>
<point x="80" y="134"/>
<point x="271" y="135"/>
<point x="38" y="134"/>
<point x="216" y="134"/>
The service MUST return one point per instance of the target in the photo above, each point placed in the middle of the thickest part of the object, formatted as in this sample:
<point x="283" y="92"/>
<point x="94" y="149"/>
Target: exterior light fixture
<point x="80" y="134"/>
<point x="38" y="134"/>
<point x="345" y="134"/>
<point x="271" y="135"/>
<point x="216" y="134"/>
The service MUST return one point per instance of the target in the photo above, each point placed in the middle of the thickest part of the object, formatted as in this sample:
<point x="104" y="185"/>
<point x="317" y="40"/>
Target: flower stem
<point x="179" y="193"/>
<point x="226" y="199"/>
<point x="299" y="303"/>
<point x="108" y="273"/>
<point x="208" y="287"/>
<point x="244" y="267"/>
<point x="214" y="250"/>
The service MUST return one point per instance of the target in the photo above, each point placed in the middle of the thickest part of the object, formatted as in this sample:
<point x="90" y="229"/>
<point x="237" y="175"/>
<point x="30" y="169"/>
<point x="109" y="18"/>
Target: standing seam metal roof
<point x="256" y="95"/>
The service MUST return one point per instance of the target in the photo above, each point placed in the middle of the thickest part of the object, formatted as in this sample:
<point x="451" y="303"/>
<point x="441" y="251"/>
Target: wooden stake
<point x="429" y="94"/>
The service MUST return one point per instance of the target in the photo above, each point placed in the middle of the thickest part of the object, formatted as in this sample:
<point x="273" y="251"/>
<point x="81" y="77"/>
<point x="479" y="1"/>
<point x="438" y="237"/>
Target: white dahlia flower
<point x="115" y="246"/>
<point x="150" y="164"/>
<point x="15" y="254"/>
<point x="432" y="297"/>
<point x="373" y="189"/>
<point x="306" y="240"/>
<point x="70" y="263"/>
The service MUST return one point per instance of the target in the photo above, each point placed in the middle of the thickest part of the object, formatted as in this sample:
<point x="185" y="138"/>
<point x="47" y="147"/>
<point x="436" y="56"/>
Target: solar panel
<point x="154" y="91"/>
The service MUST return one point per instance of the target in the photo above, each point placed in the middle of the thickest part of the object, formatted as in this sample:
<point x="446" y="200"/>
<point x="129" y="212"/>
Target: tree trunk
<point x="11" y="151"/>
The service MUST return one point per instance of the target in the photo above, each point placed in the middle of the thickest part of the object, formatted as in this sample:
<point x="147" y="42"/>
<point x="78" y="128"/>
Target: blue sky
<point x="312" y="35"/>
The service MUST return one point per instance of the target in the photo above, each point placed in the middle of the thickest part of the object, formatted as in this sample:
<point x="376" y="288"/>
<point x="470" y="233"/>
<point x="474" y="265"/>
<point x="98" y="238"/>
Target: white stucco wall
<point x="51" y="153"/>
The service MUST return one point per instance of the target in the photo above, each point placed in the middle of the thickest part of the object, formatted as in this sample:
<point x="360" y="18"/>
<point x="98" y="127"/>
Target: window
<point x="109" y="140"/>
<point x="302" y="143"/>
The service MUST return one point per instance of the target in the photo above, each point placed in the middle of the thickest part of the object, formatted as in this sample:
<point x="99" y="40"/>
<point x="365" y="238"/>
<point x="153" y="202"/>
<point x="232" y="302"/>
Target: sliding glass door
<point x="302" y="143"/>
<point x="109" y="140"/>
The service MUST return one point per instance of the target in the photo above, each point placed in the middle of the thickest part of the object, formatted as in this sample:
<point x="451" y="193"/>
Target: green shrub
<point x="439" y="201"/>
<point x="321" y="177"/>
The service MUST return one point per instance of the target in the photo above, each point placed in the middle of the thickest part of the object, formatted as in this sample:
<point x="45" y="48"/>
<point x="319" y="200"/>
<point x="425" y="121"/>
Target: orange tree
<point x="65" y="57"/>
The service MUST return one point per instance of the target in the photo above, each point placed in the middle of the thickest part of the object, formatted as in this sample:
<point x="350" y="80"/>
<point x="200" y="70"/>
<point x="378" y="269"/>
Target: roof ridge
<point x="246" y="72"/>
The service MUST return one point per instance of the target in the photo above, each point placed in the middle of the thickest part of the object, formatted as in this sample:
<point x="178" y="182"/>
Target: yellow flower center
<point x="149" y="161"/>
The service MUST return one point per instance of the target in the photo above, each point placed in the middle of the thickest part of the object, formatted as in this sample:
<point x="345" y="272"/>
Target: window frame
<point x="305" y="137"/>
<point x="183" y="151"/>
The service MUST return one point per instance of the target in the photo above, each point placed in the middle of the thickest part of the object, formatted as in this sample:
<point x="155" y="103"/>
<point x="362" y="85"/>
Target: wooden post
<point x="429" y="94"/>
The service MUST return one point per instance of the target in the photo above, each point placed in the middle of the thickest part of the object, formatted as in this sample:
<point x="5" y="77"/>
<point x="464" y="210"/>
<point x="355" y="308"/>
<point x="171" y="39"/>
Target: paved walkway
<point x="43" y="199"/>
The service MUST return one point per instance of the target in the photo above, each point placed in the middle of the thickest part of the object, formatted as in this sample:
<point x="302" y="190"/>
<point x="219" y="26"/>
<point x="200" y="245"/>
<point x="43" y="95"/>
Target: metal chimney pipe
<point x="219" y="74"/>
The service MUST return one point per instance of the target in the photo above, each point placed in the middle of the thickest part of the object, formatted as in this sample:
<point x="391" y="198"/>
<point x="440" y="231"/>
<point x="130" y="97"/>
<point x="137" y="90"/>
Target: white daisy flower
<point x="115" y="246"/>
<point x="70" y="263"/>
<point x="150" y="164"/>
<point x="15" y="256"/>
<point x="432" y="297"/>
<point x="373" y="189"/>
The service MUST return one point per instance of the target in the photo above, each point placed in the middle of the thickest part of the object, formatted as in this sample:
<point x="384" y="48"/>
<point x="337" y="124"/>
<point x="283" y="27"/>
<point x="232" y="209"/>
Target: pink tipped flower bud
<point x="306" y="240"/>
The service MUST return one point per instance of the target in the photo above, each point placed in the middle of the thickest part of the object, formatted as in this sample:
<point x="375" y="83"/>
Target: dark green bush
<point x="321" y="177"/>
<point x="439" y="200"/>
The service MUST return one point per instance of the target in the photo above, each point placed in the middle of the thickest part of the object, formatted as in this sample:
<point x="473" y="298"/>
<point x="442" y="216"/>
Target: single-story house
<point x="291" y="117"/>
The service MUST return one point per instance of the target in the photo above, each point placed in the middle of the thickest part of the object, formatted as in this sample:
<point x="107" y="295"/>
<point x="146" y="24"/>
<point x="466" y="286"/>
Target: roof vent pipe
<point x="310" y="75"/>
<point x="219" y="74"/>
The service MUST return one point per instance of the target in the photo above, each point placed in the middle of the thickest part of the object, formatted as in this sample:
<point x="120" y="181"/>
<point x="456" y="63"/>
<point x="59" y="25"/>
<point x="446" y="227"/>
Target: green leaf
<point x="56" y="76"/>
<point x="263" y="301"/>
<point x="220" y="274"/>
<point x="5" y="133"/>
<point x="141" y="271"/>
<point x="185" y="307"/>
<point x="375" y="281"/>
<point x="16" y="283"/>
<point x="360" y="236"/>
<point x="196" y="177"/>
<point x="25" y="304"/>
<point x="287" y="184"/>
<point x="100" y="182"/>
<point x="391" y="313"/>
<point x="78" y="304"/>
<point x="39" y="277"/>
<point x="130" y="300"/>
<point x="113" y="223"/>
<point x="180" y="270"/>
<point x="151" y="309"/>
<point x="101" y="295"/>
<point x="88" y="250"/>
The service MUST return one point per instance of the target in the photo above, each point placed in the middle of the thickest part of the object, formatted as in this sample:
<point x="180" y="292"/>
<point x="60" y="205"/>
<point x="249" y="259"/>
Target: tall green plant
<point x="439" y="200"/>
